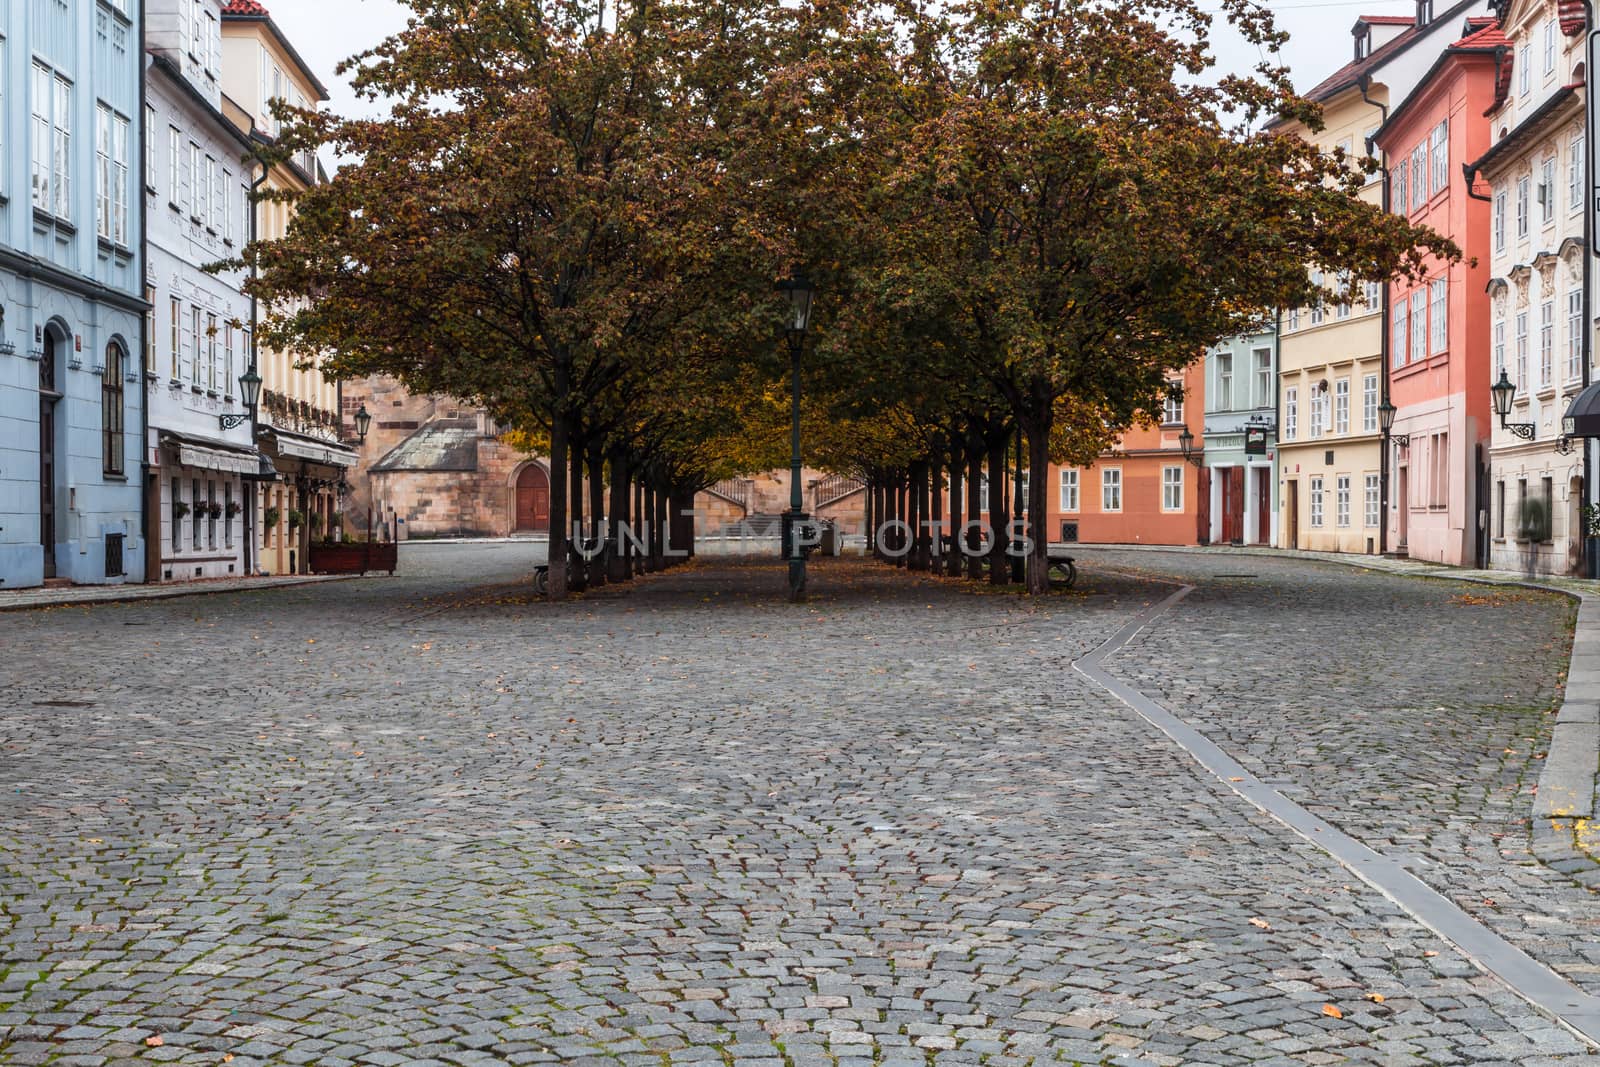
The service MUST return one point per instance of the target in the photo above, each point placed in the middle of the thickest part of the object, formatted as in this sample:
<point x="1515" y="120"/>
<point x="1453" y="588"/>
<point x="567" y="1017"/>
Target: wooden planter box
<point x="351" y="557"/>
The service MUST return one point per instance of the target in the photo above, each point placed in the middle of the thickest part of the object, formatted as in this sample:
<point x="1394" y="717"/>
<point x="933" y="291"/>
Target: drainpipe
<point x="1364" y="83"/>
<point x="252" y="516"/>
<point x="149" y="491"/>
<point x="1479" y="538"/>
<point x="1585" y="482"/>
<point x="1277" y="422"/>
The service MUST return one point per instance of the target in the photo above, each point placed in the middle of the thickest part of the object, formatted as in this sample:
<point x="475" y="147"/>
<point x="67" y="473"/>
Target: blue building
<point x="1242" y="439"/>
<point x="72" y="307"/>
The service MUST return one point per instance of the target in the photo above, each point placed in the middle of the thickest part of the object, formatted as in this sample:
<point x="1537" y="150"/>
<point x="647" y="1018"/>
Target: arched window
<point x="111" y="417"/>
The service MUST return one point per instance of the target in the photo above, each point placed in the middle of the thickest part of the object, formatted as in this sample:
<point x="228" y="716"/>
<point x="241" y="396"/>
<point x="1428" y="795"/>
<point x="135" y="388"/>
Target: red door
<point x="1233" y="506"/>
<point x="533" y="499"/>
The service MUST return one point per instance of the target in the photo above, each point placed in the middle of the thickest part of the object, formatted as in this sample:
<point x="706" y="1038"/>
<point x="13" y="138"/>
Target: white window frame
<point x="1547" y="343"/>
<point x="1341" y="406"/>
<point x="1547" y="181"/>
<point x="52" y="142"/>
<point x="1575" y="174"/>
<point x="1399" y="331"/>
<point x="1315" y="497"/>
<point x="1262" y="358"/>
<point x="1419" y="324"/>
<point x="1500" y="221"/>
<point x="1225" y="381"/>
<point x="1521" y="337"/>
<point x="1499" y="349"/>
<point x="1523" y="219"/>
<point x="1369" y="404"/>
<point x="1372" y="509"/>
<point x="1439" y="150"/>
<point x="1111" y="489"/>
<point x="1439" y="317"/>
<point x="1419" y="176"/>
<point x="1341" y="501"/>
<point x="1291" y="412"/>
<point x="1069" y="489"/>
<point x="1172" y="487"/>
<point x="1574" y="334"/>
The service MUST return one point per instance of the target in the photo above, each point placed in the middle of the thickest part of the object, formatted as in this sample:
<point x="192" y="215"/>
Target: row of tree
<point x="1022" y="215"/>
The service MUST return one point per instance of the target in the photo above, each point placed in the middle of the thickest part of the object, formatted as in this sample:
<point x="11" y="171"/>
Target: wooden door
<point x="1202" y="510"/>
<point x="1233" y="505"/>
<point x="48" y="397"/>
<point x="1291" y="514"/>
<point x="533" y="499"/>
<point x="1263" y="507"/>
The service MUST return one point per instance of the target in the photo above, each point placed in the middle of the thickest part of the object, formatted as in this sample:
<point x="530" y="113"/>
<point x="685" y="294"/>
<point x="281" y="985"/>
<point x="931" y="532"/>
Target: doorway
<point x="533" y="500"/>
<point x="1291" y="514"/>
<point x="49" y="396"/>
<point x="1402" y="506"/>
<point x="1263" y="506"/>
<point x="1232" y="505"/>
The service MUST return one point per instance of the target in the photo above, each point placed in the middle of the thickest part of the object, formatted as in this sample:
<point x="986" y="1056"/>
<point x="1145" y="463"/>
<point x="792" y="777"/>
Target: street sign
<point x="1255" y="440"/>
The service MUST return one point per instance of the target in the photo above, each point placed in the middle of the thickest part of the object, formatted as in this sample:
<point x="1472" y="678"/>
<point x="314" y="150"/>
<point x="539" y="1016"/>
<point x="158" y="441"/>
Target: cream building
<point x="298" y="423"/>
<point x="1533" y="170"/>
<point x="1331" y="359"/>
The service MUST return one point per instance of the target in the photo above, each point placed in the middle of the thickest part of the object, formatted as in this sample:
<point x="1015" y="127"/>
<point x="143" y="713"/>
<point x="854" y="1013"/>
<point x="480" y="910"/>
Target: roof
<point x="1347" y="76"/>
<point x="252" y="11"/>
<point x="1528" y="129"/>
<point x="440" y="445"/>
<point x="1483" y="38"/>
<point x="1380" y="20"/>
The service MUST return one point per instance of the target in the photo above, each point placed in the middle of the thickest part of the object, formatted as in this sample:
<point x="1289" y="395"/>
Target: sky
<point x="327" y="31"/>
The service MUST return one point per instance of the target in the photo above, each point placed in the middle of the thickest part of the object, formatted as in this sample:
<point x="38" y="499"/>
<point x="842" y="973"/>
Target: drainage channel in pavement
<point x="1528" y="978"/>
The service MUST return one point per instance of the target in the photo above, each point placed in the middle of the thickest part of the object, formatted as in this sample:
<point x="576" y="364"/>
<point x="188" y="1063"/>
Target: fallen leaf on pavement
<point x="1330" y="1010"/>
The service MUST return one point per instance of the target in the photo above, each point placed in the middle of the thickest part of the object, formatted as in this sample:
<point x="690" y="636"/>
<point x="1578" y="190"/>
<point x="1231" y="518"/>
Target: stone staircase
<point x="759" y="524"/>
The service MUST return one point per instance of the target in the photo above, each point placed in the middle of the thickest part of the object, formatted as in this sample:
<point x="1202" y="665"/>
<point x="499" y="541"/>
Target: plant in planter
<point x="295" y="518"/>
<point x="180" y="509"/>
<point x="233" y="508"/>
<point x="214" y="509"/>
<point x="270" y="517"/>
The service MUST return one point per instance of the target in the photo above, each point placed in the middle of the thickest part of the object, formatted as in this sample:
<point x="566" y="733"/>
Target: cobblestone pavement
<point x="423" y="820"/>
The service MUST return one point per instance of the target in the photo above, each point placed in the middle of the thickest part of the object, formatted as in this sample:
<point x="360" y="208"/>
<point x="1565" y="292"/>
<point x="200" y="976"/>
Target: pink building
<point x="1437" y="339"/>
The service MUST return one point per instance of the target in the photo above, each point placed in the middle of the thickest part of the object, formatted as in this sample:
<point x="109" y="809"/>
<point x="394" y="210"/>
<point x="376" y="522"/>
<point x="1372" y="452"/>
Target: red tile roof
<point x="1486" y="36"/>
<point x="244" y="7"/>
<point x="1347" y="75"/>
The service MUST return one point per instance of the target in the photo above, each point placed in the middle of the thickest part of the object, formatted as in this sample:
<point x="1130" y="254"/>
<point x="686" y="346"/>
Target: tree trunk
<point x="639" y="558"/>
<point x="975" y="513"/>
<point x="1019" y="510"/>
<point x="869" y="502"/>
<point x="578" y="575"/>
<point x="916" y="480"/>
<point x="1038" y="469"/>
<point x="557" y="556"/>
<point x="935" y="512"/>
<point x="658" y="529"/>
<point x="999" y="514"/>
<point x="616" y="560"/>
<point x="598" y="520"/>
<point x="957" y="462"/>
<point x="901" y="512"/>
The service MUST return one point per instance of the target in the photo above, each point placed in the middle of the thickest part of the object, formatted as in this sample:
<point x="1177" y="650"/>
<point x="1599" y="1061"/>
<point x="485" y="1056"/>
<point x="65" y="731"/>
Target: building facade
<point x="1145" y="491"/>
<point x="200" y="444"/>
<point x="298" y="423"/>
<point x="71" y="293"/>
<point x="1330" y="357"/>
<point x="1241" y="439"/>
<point x="1533" y="171"/>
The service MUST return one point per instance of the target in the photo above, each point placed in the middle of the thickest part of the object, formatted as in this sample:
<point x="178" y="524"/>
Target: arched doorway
<point x="533" y="500"/>
<point x="49" y="396"/>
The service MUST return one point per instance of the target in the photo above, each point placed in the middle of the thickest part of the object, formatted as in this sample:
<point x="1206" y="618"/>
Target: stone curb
<point x="1567" y="780"/>
<point x="86" y="596"/>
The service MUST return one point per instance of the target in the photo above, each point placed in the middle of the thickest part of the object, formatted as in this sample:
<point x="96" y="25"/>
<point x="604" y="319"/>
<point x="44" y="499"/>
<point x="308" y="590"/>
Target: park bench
<point x="1061" y="567"/>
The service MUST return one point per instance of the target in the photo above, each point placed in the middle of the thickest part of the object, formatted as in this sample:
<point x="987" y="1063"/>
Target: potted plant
<point x="214" y="509"/>
<point x="179" y="509"/>
<point x="295" y="518"/>
<point x="233" y="508"/>
<point x="270" y="517"/>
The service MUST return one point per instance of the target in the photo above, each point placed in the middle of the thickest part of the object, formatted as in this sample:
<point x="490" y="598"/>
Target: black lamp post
<point x="1502" y="392"/>
<point x="800" y="292"/>
<point x="363" y="422"/>
<point x="250" y="394"/>
<point x="1386" y="414"/>
<point x="1186" y="442"/>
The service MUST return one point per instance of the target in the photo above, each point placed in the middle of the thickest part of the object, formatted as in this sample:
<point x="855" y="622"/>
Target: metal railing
<point x="833" y="487"/>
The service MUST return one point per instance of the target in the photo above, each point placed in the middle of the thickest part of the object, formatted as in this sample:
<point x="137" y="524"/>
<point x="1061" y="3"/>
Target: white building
<point x="1534" y="173"/>
<point x="200" y="441"/>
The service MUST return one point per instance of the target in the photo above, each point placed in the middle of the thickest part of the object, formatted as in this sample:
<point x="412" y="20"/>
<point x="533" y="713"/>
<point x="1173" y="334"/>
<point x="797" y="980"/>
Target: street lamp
<point x="1502" y="392"/>
<point x="363" y="422"/>
<point x="1386" y="413"/>
<point x="800" y="291"/>
<point x="1186" y="442"/>
<point x="250" y="394"/>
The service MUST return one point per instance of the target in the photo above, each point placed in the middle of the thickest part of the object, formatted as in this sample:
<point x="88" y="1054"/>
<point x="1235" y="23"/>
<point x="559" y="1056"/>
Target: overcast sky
<point x="326" y="31"/>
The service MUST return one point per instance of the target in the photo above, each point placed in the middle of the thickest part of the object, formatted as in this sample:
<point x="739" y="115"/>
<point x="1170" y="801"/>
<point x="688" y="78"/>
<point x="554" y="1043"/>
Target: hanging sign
<point x="1255" y="440"/>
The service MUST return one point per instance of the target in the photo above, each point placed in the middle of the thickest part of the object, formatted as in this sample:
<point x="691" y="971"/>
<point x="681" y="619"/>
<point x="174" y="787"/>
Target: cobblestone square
<point x="428" y="820"/>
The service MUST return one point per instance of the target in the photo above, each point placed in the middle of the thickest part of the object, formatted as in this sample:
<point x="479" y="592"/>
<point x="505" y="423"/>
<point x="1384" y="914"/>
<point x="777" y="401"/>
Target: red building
<point x="1438" y="337"/>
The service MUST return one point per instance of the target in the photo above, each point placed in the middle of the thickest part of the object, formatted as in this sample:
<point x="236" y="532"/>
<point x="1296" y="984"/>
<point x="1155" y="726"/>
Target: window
<point x="149" y="147"/>
<point x="1291" y="412"/>
<point x="176" y="516"/>
<point x="1370" y="509"/>
<point x="177" y="340"/>
<point x="1500" y="222"/>
<point x="1419" y="324"/>
<point x="196" y="373"/>
<point x="52" y="142"/>
<point x="1546" y="528"/>
<point x="196" y="192"/>
<point x="218" y="194"/>
<point x="225" y="226"/>
<point x="1397" y="333"/>
<point x="1522" y="349"/>
<point x="1069" y="489"/>
<point x="1500" y="510"/>
<point x="1524" y="69"/>
<point x="195" y="540"/>
<point x="1439" y="333"/>
<point x="1111" y="489"/>
<point x="227" y="360"/>
<point x="1171" y="488"/>
<point x="214" y="368"/>
<point x="1374" y="295"/>
<point x="111" y="175"/>
<point x="1419" y="176"/>
<point x="111" y="413"/>
<point x="174" y="156"/>
<point x="1550" y="46"/>
<point x="1319" y="402"/>
<point x="1575" y="174"/>
<point x="1439" y="470"/>
<point x="1547" y="342"/>
<point x="1294" y="319"/>
<point x="1263" y="361"/>
<point x="1316" y="501"/>
<point x="1369" y="404"/>
<point x="1341" y="406"/>
<point x="150" y="330"/>
<point x="1522" y="206"/>
<point x="212" y="56"/>
<point x="1439" y="150"/>
<point x="983" y="492"/>
<point x="1547" y="191"/>
<point x="244" y="213"/>
<point x="1172" y="406"/>
<point x="211" y="515"/>
<point x="1398" y="197"/>
<point x="1499" y="349"/>
<point x="1342" y="284"/>
<point x="1225" y="381"/>
<point x="1574" y="335"/>
<point x="1341" y="501"/>
<point x="1316" y="303"/>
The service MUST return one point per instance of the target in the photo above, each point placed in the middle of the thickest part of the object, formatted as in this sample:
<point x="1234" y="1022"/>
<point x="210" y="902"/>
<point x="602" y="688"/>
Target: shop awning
<point x="209" y="454"/>
<point x="1583" y="414"/>
<point x="313" y="450"/>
